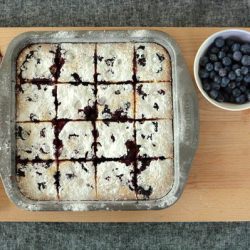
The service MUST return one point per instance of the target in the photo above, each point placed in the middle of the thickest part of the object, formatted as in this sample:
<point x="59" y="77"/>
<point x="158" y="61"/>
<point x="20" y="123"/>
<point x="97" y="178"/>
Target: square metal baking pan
<point x="185" y="120"/>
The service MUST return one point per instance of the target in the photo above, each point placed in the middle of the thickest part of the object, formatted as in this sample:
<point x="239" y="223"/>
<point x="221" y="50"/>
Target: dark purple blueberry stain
<point x="38" y="173"/>
<point x="141" y="92"/>
<point x="100" y="58"/>
<point x="34" y="118"/>
<point x="161" y="92"/>
<point x="153" y="145"/>
<point x="72" y="136"/>
<point x="156" y="106"/>
<point x="110" y="61"/>
<point x="29" y="99"/>
<point x="118" y="92"/>
<point x="43" y="151"/>
<point x="132" y="152"/>
<point x="119" y="115"/>
<point x="107" y="178"/>
<point x="144" y="192"/>
<point x="58" y="126"/>
<point x="160" y="57"/>
<point x="20" y="173"/>
<point x="142" y="47"/>
<point x="90" y="112"/>
<point x="41" y="185"/>
<point x="141" y="60"/>
<point x="90" y="186"/>
<point x="143" y="136"/>
<point x="156" y="126"/>
<point x="38" y="61"/>
<point x="150" y="137"/>
<point x="28" y="151"/>
<point x="76" y="77"/>
<point x="120" y="177"/>
<point x="19" y="88"/>
<point x="70" y="176"/>
<point x="42" y="132"/>
<point x="159" y="70"/>
<point x="112" y="138"/>
<point x="20" y="133"/>
<point x="55" y="69"/>
<point x="57" y="177"/>
<point x="84" y="168"/>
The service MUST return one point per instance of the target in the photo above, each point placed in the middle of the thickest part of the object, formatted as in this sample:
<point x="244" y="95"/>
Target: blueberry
<point x="224" y="81"/>
<point x="239" y="78"/>
<point x="214" y="50"/>
<point x="238" y="72"/>
<point x="226" y="61"/>
<point x="236" y="92"/>
<point x="222" y="72"/>
<point x="228" y="68"/>
<point x="247" y="78"/>
<point x="245" y="48"/>
<point x="248" y="96"/>
<point x="219" y="42"/>
<point x="235" y="66"/>
<point x="209" y="67"/>
<point x="212" y="74"/>
<point x="215" y="85"/>
<point x="238" y="84"/>
<point x="237" y="56"/>
<point x="244" y="70"/>
<point x="235" y="47"/>
<point x="225" y="49"/>
<point x="231" y="75"/>
<point x="220" y="98"/>
<point x="240" y="99"/>
<point x="204" y="60"/>
<point x="214" y="93"/>
<point x="217" y="66"/>
<point x="243" y="88"/>
<point x="232" y="85"/>
<point x="230" y="55"/>
<point x="213" y="57"/>
<point x="203" y="74"/>
<point x="217" y="79"/>
<point x="245" y="60"/>
<point x="229" y="42"/>
<point x="221" y="54"/>
<point x="228" y="90"/>
<point x="206" y="86"/>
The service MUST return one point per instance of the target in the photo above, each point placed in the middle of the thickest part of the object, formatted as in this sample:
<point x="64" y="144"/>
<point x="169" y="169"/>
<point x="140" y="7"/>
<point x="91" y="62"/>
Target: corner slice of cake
<point x="114" y="181"/>
<point x="154" y="100"/>
<point x="152" y="62"/>
<point x="78" y="62"/>
<point x="155" y="138"/>
<point x="114" y="139"/>
<point x="36" y="181"/>
<point x="35" y="62"/>
<point x="77" y="140"/>
<point x="35" y="102"/>
<point x="35" y="140"/>
<point x="156" y="180"/>
<point x="115" y="101"/>
<point x="75" y="102"/>
<point x="115" y="62"/>
<point x="77" y="181"/>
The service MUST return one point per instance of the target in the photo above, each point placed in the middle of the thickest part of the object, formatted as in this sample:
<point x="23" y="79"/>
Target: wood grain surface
<point x="218" y="187"/>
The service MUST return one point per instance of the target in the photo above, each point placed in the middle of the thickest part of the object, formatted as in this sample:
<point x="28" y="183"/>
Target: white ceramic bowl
<point x="232" y="33"/>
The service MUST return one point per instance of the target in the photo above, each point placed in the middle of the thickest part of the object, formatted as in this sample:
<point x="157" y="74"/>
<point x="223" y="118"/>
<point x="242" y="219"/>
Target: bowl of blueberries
<point x="222" y="69"/>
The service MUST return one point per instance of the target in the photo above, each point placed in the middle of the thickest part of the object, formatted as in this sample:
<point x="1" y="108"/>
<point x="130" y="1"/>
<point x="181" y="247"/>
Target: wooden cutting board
<point x="218" y="188"/>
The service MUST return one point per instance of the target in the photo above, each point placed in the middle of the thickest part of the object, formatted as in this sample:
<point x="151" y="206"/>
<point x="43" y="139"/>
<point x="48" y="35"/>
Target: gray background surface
<point x="124" y="236"/>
